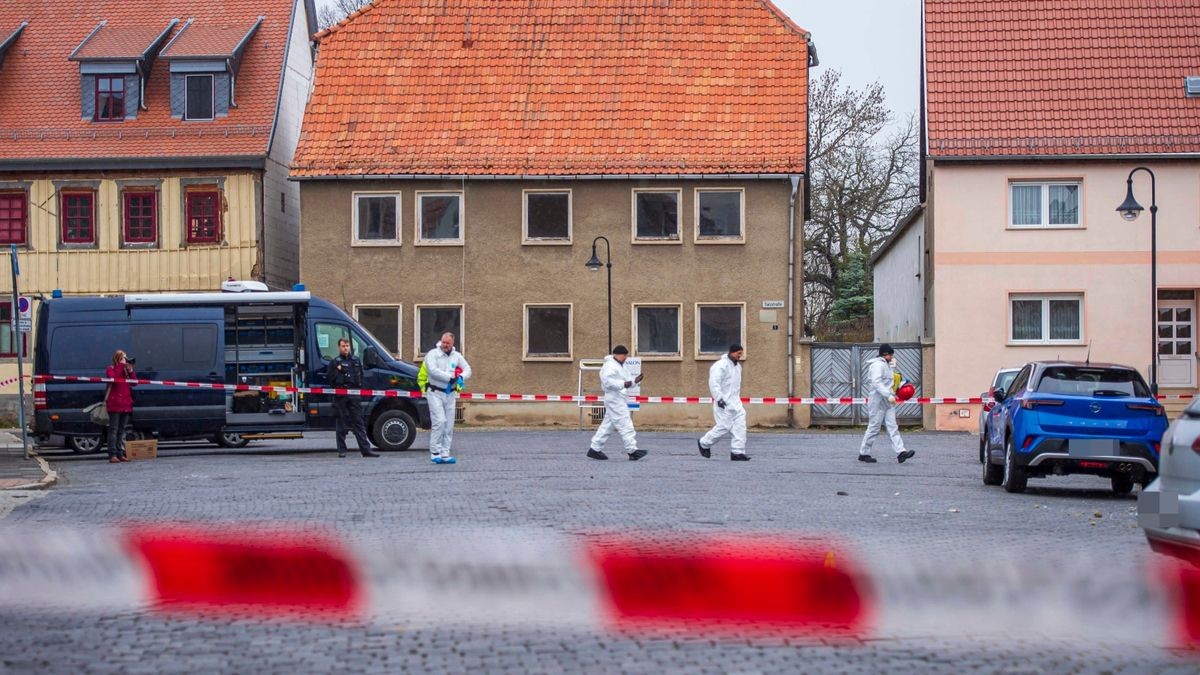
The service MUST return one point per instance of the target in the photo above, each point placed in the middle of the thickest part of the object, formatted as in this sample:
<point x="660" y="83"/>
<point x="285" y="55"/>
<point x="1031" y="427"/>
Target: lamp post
<point x="593" y="264"/>
<point x="1130" y="209"/>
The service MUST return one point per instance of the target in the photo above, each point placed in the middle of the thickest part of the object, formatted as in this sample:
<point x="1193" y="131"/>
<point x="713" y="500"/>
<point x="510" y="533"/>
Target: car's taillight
<point x="39" y="396"/>
<point x="1149" y="407"/>
<point x="1031" y="403"/>
<point x="988" y="406"/>
<point x="1196" y="445"/>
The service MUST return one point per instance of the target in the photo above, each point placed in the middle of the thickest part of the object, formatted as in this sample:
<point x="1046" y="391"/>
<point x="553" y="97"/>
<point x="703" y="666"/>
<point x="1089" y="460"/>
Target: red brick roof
<point x="119" y="42"/>
<point x="40" y="108"/>
<point x="1061" y="77"/>
<point x="512" y="87"/>
<point x="206" y="40"/>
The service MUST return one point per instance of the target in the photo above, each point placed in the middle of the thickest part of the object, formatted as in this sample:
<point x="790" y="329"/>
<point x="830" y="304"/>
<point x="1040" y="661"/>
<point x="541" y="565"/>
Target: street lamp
<point x="594" y="264"/>
<point x="1130" y="209"/>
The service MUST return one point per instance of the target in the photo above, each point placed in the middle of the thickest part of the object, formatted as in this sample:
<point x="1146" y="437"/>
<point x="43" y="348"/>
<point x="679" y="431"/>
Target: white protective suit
<point x="882" y="412"/>
<point x="725" y="384"/>
<point x="613" y="377"/>
<point x="440" y="367"/>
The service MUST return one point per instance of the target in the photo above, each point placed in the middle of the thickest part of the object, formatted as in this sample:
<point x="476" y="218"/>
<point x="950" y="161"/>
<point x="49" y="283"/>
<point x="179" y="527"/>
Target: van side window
<point x="86" y="349"/>
<point x="162" y="347"/>
<point x="328" y="335"/>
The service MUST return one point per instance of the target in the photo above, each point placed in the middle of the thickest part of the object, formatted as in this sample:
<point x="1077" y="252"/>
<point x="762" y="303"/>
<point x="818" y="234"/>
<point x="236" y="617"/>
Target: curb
<point x="49" y="476"/>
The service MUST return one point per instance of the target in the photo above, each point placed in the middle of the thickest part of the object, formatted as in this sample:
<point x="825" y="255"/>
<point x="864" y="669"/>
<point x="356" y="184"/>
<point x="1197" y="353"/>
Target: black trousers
<point x="350" y="418"/>
<point x="116" y="433"/>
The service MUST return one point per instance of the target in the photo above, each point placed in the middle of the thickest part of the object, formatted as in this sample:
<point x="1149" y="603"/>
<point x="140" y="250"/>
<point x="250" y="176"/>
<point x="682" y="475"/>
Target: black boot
<point x="704" y="452"/>
<point x="596" y="454"/>
<point x="369" y="453"/>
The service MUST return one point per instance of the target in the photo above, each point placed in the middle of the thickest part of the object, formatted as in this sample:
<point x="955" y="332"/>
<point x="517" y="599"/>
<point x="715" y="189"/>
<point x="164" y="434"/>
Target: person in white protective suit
<point x="725" y="385"/>
<point x="881" y="406"/>
<point x="614" y="379"/>
<point x="448" y="370"/>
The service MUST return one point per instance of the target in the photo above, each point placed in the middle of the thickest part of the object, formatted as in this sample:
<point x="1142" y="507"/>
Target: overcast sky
<point x="867" y="40"/>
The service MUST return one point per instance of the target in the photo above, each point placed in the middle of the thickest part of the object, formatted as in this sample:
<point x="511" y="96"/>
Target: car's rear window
<point x="1083" y="381"/>
<point x="1004" y="379"/>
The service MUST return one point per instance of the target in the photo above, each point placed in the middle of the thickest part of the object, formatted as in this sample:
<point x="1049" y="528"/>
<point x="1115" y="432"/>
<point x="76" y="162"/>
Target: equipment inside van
<point x="248" y="337"/>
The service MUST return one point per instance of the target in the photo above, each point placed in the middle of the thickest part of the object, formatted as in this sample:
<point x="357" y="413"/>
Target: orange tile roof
<point x="118" y="42"/>
<point x="1061" y="77"/>
<point x="513" y="87"/>
<point x="200" y="40"/>
<point x="40" y="108"/>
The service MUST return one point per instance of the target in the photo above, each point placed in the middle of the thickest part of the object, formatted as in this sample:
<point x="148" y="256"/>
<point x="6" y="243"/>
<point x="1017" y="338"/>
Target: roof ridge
<point x="322" y="34"/>
<point x="787" y="20"/>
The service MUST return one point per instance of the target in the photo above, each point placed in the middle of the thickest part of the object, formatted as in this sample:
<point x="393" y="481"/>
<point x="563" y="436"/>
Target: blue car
<point x="1058" y="418"/>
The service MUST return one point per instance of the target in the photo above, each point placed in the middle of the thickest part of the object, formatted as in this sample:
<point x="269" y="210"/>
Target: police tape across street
<point x="550" y="398"/>
<point x="762" y="585"/>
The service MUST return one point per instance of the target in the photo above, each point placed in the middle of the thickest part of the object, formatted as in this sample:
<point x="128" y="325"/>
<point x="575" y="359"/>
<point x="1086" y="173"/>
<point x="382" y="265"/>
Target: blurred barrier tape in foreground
<point x="553" y="398"/>
<point x="740" y="585"/>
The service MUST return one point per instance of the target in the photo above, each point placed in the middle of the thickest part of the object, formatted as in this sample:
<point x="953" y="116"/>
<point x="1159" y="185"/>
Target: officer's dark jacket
<point x="345" y="371"/>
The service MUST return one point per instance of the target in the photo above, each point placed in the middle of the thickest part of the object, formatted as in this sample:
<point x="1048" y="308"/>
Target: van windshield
<point x="1084" y="381"/>
<point x="328" y="335"/>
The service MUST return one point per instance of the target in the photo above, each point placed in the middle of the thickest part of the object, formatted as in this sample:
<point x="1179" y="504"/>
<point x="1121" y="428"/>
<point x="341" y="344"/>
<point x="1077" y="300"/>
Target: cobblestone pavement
<point x="933" y="505"/>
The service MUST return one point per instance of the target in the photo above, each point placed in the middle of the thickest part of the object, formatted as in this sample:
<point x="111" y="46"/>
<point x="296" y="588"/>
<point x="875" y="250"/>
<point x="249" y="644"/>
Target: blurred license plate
<point x="1092" y="447"/>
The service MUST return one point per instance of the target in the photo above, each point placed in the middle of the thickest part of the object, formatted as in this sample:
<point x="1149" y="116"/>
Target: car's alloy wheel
<point x="83" y="444"/>
<point x="992" y="473"/>
<point x="1014" y="478"/>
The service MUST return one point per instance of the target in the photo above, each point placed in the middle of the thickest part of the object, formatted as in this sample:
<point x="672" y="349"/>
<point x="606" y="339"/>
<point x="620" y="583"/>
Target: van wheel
<point x="393" y="430"/>
<point x="1014" y="479"/>
<point x="227" y="439"/>
<point x="131" y="435"/>
<point x="84" y="444"/>
<point x="1122" y="484"/>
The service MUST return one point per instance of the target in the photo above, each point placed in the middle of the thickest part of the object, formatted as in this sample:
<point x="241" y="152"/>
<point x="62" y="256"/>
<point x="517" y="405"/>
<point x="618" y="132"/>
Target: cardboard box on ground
<point x="142" y="449"/>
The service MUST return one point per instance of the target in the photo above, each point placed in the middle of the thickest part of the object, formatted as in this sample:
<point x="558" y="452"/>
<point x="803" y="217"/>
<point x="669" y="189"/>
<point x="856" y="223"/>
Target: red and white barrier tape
<point x="552" y="398"/>
<point x="11" y="380"/>
<point x="779" y="586"/>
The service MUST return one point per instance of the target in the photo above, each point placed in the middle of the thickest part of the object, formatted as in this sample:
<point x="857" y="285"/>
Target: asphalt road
<point x="798" y="484"/>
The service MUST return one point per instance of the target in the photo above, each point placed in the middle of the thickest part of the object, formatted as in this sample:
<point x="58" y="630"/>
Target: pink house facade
<point x="1032" y="131"/>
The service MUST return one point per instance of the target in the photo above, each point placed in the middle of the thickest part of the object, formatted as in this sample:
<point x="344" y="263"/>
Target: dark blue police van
<point x="261" y="338"/>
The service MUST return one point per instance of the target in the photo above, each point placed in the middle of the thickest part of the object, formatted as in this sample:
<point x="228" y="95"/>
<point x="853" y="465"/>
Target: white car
<point x="1169" y="508"/>
<point x="1002" y="379"/>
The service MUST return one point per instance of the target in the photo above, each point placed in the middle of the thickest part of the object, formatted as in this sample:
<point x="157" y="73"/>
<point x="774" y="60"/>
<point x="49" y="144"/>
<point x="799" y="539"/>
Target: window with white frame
<point x="547" y="216"/>
<point x="719" y="215"/>
<point x="382" y="321"/>
<point x="434" y="320"/>
<point x="548" y="332"/>
<point x="376" y="219"/>
<point x="718" y="326"/>
<point x="1044" y="204"/>
<point x="439" y="218"/>
<point x="656" y="215"/>
<point x="1045" y="319"/>
<point x="656" y="331"/>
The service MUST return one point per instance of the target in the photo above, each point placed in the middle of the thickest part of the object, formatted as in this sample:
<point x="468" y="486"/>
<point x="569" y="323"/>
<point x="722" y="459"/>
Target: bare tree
<point x="330" y="12"/>
<point x="862" y="182"/>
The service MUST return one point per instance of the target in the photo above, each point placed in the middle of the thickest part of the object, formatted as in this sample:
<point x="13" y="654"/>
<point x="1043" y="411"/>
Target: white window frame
<point x="212" y="89"/>
<point x="354" y="240"/>
<point x="1045" y="204"/>
<point x="418" y="349"/>
<point x="656" y="356"/>
<point x="678" y="240"/>
<point x="399" y="321"/>
<point x="713" y="356"/>
<point x="570" y="355"/>
<point x="741" y="238"/>
<point x="1045" y="298"/>
<point x="462" y="218"/>
<point x="547" y="241"/>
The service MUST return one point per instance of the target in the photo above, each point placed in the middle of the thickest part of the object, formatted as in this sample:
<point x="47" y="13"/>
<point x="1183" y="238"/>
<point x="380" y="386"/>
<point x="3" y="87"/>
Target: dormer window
<point x="205" y="60"/>
<point x="114" y="65"/>
<point x="110" y="98"/>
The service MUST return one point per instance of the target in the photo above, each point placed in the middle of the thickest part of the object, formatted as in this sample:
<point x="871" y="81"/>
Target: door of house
<point x="1176" y="339"/>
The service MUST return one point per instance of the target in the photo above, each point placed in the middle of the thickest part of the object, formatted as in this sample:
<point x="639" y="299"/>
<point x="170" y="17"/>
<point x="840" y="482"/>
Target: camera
<point x="130" y="360"/>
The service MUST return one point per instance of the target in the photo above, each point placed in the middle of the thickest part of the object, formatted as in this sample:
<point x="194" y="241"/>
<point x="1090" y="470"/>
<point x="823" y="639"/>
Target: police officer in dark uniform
<point x="346" y="371"/>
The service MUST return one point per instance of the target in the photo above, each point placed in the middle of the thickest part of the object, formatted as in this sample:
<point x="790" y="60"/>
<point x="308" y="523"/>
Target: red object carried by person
<point x="905" y="392"/>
